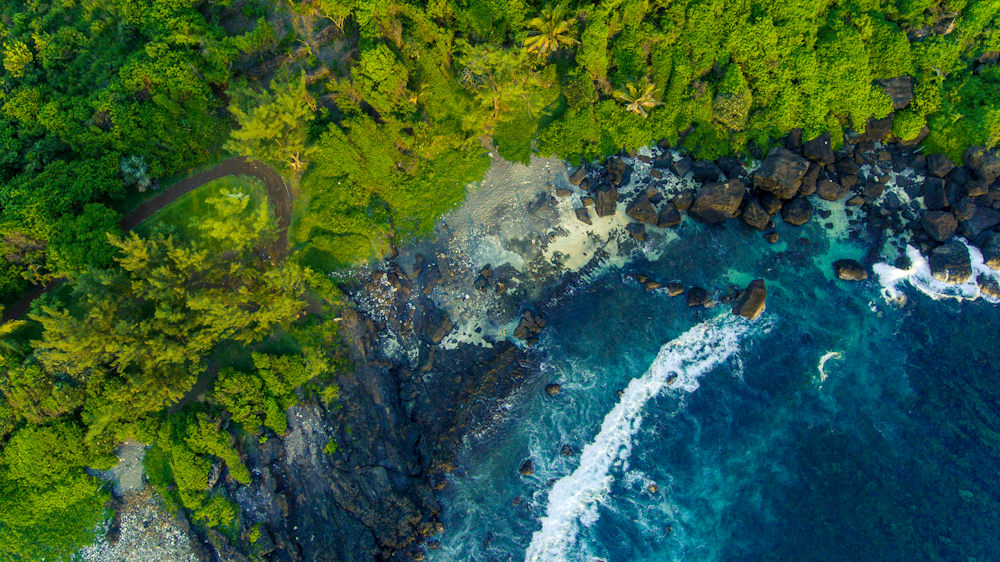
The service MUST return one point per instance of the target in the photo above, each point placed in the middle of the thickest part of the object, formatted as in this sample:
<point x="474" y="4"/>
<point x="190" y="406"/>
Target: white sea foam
<point x="680" y="363"/>
<point x="919" y="276"/>
<point x="822" y="363"/>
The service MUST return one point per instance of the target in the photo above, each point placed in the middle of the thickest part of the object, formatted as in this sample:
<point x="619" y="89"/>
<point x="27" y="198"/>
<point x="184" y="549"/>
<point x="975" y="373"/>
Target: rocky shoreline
<point x="441" y="336"/>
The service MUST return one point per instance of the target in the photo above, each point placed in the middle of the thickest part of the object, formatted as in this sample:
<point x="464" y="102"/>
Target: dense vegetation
<point x="379" y="112"/>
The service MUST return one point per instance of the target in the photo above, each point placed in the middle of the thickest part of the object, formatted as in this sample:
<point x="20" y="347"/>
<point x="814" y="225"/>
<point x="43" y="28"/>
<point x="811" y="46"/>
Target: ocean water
<point x="843" y="424"/>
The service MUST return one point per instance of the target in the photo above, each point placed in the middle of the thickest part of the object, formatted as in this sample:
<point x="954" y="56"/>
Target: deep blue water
<point x="892" y="455"/>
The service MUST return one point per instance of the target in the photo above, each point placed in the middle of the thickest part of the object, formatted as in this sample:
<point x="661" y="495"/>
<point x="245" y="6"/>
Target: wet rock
<point x="527" y="468"/>
<point x="850" y="270"/>
<point x="751" y="301"/>
<point x="578" y="175"/>
<point x="607" y="202"/>
<point x="542" y="206"/>
<point x="878" y="129"/>
<point x="706" y="171"/>
<point x="552" y="389"/>
<point x="642" y="210"/>
<point x="755" y="215"/>
<point x="771" y="237"/>
<point x="654" y="195"/>
<point x="899" y="90"/>
<point x="681" y="167"/>
<point x="989" y="286"/>
<point x="563" y="192"/>
<point x="674" y="289"/>
<point x="668" y="216"/>
<point x="983" y="219"/>
<point x="697" y="297"/>
<point x="651" y="285"/>
<point x="716" y="202"/>
<point x="935" y="194"/>
<point x="939" y="225"/>
<point x="637" y="230"/>
<point x="939" y="165"/>
<point x="529" y="327"/>
<point x="819" y="149"/>
<point x="809" y="180"/>
<point x="566" y="451"/>
<point x="964" y="210"/>
<point x="951" y="263"/>
<point x="481" y="284"/>
<point x="618" y="171"/>
<point x="856" y="201"/>
<point x="991" y="252"/>
<point x="830" y="190"/>
<point x="437" y="325"/>
<point x="683" y="201"/>
<point x="770" y="203"/>
<point x="781" y="173"/>
<point x="583" y="215"/>
<point x="797" y="211"/>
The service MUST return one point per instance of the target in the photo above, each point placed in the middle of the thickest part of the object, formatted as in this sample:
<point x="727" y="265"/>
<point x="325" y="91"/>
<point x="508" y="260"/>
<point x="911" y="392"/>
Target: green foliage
<point x="274" y="123"/>
<point x="82" y="241"/>
<point x="907" y="124"/>
<point x="549" y="32"/>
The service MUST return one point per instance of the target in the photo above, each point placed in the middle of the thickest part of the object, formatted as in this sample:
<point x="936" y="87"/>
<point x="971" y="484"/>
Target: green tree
<point x="638" y="99"/>
<point x="274" y="123"/>
<point x="549" y="32"/>
<point x="82" y="241"/>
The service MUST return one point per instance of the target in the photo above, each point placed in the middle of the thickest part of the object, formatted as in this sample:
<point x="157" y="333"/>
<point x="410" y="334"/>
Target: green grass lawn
<point x="178" y="215"/>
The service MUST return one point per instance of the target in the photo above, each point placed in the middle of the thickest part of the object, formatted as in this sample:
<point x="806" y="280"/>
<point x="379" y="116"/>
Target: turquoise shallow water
<point x="889" y="452"/>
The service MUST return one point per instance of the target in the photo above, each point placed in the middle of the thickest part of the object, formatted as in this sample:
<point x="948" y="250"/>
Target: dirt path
<point x="277" y="194"/>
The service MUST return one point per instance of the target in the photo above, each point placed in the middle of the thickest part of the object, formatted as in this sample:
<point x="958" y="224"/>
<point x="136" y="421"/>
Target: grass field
<point x="178" y="215"/>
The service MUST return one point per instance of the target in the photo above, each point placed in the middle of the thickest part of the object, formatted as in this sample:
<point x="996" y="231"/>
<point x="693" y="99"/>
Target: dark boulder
<point x="809" y="180"/>
<point x="850" y="270"/>
<point x="563" y="192"/>
<point x="583" y="215"/>
<point x="991" y="252"/>
<point x="939" y="165"/>
<point x="668" y="216"/>
<point x="674" y="288"/>
<point x="847" y="167"/>
<point x="873" y="190"/>
<point x="697" y="297"/>
<point x="651" y="285"/>
<point x="681" y="167"/>
<point x="770" y="203"/>
<point x="637" y="230"/>
<point x="751" y="301"/>
<point x="619" y="172"/>
<point x="984" y="162"/>
<point x="899" y="90"/>
<point x="578" y="176"/>
<point x="771" y="237"/>
<point x="964" y="210"/>
<point x="989" y="286"/>
<point x="654" y="195"/>
<point x="793" y="141"/>
<point x="797" y="211"/>
<point x="683" y="201"/>
<point x="566" y="451"/>
<point x="856" y="201"/>
<point x="552" y="389"/>
<point x="527" y="468"/>
<point x="982" y="220"/>
<point x="437" y="325"/>
<point x="935" y="194"/>
<point x="529" y="327"/>
<point x="878" y="129"/>
<point x="587" y="201"/>
<point x="977" y="188"/>
<point x="755" y="215"/>
<point x="607" y="202"/>
<point x="819" y="150"/>
<point x="951" y="263"/>
<point x="781" y="172"/>
<point x="939" y="225"/>
<point x="430" y="276"/>
<point x="706" y="171"/>
<point x="642" y="210"/>
<point x="717" y="202"/>
<point x="830" y="190"/>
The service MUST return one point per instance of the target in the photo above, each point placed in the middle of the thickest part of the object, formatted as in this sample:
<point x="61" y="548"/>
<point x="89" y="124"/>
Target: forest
<point x="378" y="113"/>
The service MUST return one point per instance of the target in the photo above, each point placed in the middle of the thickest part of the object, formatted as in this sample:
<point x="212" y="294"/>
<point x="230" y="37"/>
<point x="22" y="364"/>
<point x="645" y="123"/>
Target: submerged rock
<point x="607" y="202"/>
<point x="668" y="216"/>
<point x="797" y="211"/>
<point x="651" y="285"/>
<point x="674" y="289"/>
<point x="527" y="468"/>
<point x="566" y="451"/>
<point x="583" y="215"/>
<point x="951" y="263"/>
<point x="697" y="297"/>
<point x="717" y="202"/>
<point x="751" y="301"/>
<point x="983" y="219"/>
<point x="552" y="389"/>
<point x="781" y="173"/>
<point x="437" y="325"/>
<point x="850" y="270"/>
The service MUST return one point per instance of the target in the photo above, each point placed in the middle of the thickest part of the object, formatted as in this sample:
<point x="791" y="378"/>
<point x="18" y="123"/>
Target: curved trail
<point x="277" y="193"/>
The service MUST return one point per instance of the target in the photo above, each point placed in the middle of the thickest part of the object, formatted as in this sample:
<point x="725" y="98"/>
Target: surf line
<point x="678" y="365"/>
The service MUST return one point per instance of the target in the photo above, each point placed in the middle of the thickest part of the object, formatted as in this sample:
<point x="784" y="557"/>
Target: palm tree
<point x="635" y="101"/>
<point x="549" y="32"/>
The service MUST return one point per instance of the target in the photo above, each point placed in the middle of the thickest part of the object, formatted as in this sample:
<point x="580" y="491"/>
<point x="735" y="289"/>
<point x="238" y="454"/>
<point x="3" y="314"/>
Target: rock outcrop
<point x="850" y="270"/>
<point x="951" y="263"/>
<point x="781" y="172"/>
<point x="939" y="225"/>
<point x="642" y="210"/>
<point x="755" y="215"/>
<point x="750" y="303"/>
<point x="797" y="212"/>
<point x="717" y="202"/>
<point x="607" y="202"/>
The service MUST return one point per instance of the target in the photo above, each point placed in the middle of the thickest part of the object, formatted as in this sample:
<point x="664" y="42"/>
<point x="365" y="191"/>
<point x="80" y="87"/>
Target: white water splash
<point x="822" y="363"/>
<point x="919" y="276"/>
<point x="679" y="364"/>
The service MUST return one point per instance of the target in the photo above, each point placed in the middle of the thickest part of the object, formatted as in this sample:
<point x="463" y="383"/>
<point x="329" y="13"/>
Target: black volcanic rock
<point x="755" y="215"/>
<point x="819" y="149"/>
<point x="951" y="263"/>
<point x="607" y="202"/>
<point x="781" y="172"/>
<point x="642" y="210"/>
<point x="668" y="216"/>
<point x="717" y="202"/>
<point x="583" y="215"/>
<point x="697" y="297"/>
<point x="527" y="468"/>
<point x="797" y="211"/>
<point x="899" y="90"/>
<point x="830" y="190"/>
<point x="939" y="165"/>
<point x="939" y="225"/>
<point x="637" y="230"/>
